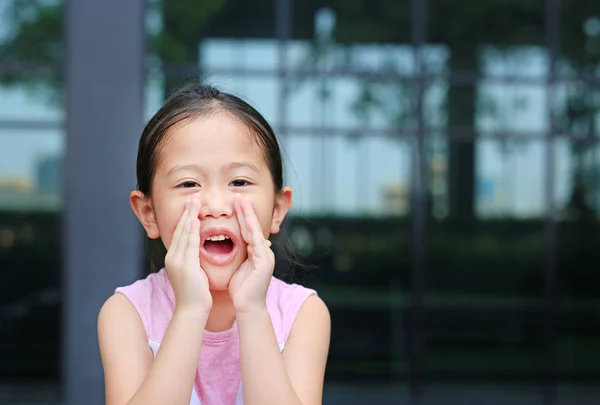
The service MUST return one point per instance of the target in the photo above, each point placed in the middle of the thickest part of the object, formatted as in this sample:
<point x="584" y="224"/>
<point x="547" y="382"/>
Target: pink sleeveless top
<point x="218" y="380"/>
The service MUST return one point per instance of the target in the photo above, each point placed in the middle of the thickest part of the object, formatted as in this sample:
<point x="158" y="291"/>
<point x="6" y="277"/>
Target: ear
<point x="283" y="202"/>
<point x="143" y="209"/>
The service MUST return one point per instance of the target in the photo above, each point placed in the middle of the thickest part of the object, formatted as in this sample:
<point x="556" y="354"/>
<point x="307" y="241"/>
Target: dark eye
<point x="188" y="184"/>
<point x="239" y="183"/>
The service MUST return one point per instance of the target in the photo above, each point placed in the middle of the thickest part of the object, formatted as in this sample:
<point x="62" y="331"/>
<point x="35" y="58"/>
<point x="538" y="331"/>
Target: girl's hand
<point x="248" y="286"/>
<point x="189" y="281"/>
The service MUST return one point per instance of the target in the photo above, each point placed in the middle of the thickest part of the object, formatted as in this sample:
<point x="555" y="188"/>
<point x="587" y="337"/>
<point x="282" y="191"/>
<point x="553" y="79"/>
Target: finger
<point x="252" y="223"/>
<point x="192" y="213"/>
<point x="193" y="243"/>
<point x="240" y="216"/>
<point x="182" y="241"/>
<point x="179" y="227"/>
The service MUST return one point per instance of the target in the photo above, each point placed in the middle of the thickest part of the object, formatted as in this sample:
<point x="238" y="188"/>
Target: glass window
<point x="349" y="106"/>
<point x="31" y="152"/>
<point x="577" y="201"/>
<point x="467" y="30"/>
<point x="30" y="287"/>
<point x="340" y="175"/>
<point x="577" y="109"/>
<point x="579" y="41"/>
<point x="483" y="288"/>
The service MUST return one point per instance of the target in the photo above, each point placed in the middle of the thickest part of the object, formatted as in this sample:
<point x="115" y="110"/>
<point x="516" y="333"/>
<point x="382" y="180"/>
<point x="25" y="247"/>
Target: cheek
<point x="168" y="214"/>
<point x="264" y="212"/>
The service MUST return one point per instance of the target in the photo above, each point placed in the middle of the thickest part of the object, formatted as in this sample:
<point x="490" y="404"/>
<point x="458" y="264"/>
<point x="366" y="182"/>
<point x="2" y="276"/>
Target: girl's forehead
<point x="213" y="139"/>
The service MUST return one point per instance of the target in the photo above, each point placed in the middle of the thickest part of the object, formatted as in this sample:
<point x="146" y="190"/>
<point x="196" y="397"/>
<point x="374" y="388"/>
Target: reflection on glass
<point x="579" y="42"/>
<point x="464" y="27"/>
<point x="349" y="176"/>
<point x="24" y="105"/>
<point x="577" y="184"/>
<point x="490" y="108"/>
<point x="577" y="109"/>
<point x="31" y="52"/>
<point x="319" y="101"/>
<point x="509" y="178"/>
<point x="511" y="109"/>
<point x="239" y="53"/>
<point x="31" y="170"/>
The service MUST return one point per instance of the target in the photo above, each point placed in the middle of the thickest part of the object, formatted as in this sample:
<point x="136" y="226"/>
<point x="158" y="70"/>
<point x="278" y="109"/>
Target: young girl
<point x="213" y="326"/>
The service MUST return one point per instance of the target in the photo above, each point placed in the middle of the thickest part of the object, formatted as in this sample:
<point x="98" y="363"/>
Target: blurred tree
<point x="35" y="39"/>
<point x="184" y="23"/>
<point x="32" y="44"/>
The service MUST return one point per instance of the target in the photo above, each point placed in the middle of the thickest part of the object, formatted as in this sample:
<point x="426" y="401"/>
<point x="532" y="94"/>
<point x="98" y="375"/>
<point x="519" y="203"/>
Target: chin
<point x="219" y="277"/>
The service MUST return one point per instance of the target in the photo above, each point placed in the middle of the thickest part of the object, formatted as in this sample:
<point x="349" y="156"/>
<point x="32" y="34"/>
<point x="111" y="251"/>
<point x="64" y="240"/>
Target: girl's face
<point x="216" y="157"/>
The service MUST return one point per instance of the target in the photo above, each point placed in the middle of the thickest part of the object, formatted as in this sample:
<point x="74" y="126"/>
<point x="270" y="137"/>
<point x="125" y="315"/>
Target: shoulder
<point x="285" y="293"/>
<point x="315" y="307"/>
<point x="115" y="309"/>
<point x="118" y="319"/>
<point x="145" y="286"/>
<point x="313" y="316"/>
<point x="153" y="300"/>
<point x="313" y="320"/>
<point x="284" y="302"/>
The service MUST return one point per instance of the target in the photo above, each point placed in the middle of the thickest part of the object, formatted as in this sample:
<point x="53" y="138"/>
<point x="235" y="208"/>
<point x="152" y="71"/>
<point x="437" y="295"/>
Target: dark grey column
<point x="104" y="80"/>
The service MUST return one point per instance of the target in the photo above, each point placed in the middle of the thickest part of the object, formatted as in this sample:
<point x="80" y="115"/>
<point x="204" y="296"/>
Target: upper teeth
<point x="217" y="237"/>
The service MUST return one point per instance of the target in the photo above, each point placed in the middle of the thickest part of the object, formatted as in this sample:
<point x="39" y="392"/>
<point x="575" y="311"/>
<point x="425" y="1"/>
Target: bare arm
<point x="295" y="376"/>
<point x="132" y="376"/>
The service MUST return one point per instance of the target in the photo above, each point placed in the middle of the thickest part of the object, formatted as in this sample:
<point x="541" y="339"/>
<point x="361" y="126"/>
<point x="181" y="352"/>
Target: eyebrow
<point x="198" y="169"/>
<point x="241" y="165"/>
<point x="183" y="168"/>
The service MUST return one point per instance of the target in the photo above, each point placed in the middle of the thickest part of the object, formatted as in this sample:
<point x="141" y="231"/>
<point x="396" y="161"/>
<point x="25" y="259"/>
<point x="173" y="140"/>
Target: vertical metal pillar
<point x="418" y="205"/>
<point x="283" y="30"/>
<point x="552" y="20"/>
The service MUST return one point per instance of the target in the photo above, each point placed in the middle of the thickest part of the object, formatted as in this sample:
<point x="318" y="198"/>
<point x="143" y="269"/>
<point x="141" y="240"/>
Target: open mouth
<point x="218" y="246"/>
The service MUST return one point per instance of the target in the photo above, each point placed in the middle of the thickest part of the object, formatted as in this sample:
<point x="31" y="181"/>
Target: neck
<point x="222" y="314"/>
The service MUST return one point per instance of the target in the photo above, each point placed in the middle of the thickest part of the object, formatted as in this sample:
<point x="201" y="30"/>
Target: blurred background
<point x="444" y="156"/>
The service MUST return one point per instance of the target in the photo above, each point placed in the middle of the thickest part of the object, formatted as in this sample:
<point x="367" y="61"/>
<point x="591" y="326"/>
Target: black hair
<point x="195" y="100"/>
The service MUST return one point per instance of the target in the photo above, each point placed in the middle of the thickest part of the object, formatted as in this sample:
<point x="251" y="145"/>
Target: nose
<point x="216" y="202"/>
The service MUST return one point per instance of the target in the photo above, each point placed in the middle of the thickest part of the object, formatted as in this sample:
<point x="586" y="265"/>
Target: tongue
<point x="221" y="247"/>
